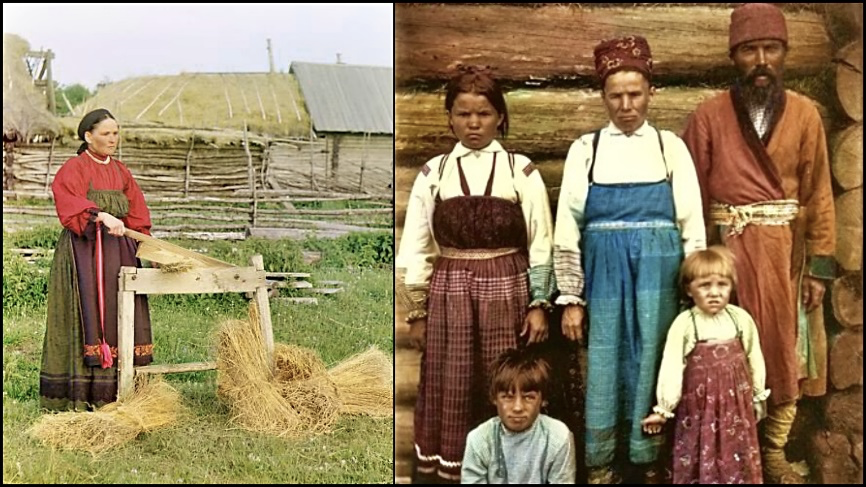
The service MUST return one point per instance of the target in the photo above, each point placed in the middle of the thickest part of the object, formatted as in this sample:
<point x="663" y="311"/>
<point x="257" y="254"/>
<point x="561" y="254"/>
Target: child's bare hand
<point x="653" y="423"/>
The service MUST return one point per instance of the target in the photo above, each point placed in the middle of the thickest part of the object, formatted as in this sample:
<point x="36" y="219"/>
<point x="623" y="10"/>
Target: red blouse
<point x="75" y="178"/>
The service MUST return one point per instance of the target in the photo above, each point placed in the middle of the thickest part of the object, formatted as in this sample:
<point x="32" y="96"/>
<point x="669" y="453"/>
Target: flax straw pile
<point x="297" y="399"/>
<point x="300" y="396"/>
<point x="153" y="404"/>
<point x="364" y="382"/>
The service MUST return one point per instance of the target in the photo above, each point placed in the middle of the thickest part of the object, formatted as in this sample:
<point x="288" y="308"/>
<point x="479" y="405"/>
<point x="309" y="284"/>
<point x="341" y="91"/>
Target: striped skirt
<point x="476" y="310"/>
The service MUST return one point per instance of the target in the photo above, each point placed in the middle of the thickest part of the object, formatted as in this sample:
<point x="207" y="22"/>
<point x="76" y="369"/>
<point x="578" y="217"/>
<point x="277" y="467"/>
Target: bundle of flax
<point x="299" y="396"/>
<point x="364" y="383"/>
<point x="299" y="399"/>
<point x="153" y="404"/>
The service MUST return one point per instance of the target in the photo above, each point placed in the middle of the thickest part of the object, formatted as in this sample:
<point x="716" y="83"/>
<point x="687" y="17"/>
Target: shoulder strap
<point x="736" y="322"/>
<point x="664" y="159"/>
<point x="595" y="136"/>
<point x="694" y="325"/>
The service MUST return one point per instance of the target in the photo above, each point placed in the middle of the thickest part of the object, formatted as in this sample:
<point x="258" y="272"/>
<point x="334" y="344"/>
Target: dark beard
<point x="761" y="96"/>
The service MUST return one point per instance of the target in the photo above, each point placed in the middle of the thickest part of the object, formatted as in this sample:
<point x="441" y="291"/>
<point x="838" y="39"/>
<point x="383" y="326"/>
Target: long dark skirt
<point x="71" y="375"/>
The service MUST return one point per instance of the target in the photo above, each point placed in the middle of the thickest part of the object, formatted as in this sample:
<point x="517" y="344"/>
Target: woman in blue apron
<point x="629" y="210"/>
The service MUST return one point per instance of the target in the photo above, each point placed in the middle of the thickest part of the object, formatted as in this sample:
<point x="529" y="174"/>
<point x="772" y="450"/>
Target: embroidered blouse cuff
<point x="762" y="396"/>
<point x="540" y="303"/>
<point x="664" y="412"/>
<point x="416" y="315"/>
<point x="414" y="299"/>
<point x="566" y="299"/>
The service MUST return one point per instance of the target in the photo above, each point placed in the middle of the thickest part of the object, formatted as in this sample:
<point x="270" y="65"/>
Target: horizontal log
<point x="326" y="291"/>
<point x="556" y="42"/>
<point x="287" y="275"/>
<point x="846" y="359"/>
<point x="849" y="230"/>
<point x="407" y="369"/>
<point x="175" y="368"/>
<point x="847" y="298"/>
<point x="188" y="228"/>
<point x="314" y="301"/>
<point x="830" y="458"/>
<point x="160" y="215"/>
<point x="404" y="435"/>
<point x="843" y="411"/>
<point x="543" y="123"/>
<point x="153" y="281"/>
<point x="847" y="160"/>
<point x="200" y="235"/>
<point x="849" y="78"/>
<point x="290" y="284"/>
<point x="294" y="233"/>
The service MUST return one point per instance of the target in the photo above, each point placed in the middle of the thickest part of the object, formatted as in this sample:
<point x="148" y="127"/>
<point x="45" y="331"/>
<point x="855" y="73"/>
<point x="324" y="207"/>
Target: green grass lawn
<point x="207" y="448"/>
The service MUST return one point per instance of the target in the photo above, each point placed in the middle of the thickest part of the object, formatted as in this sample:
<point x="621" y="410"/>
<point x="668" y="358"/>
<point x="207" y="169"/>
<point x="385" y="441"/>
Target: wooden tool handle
<point x="136" y="235"/>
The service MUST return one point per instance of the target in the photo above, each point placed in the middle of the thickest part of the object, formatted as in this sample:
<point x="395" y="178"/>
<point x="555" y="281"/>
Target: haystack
<point x="25" y="111"/>
<point x="154" y="404"/>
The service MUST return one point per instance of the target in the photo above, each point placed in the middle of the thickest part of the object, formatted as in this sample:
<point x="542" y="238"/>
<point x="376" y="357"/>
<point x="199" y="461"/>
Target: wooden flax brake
<point x="205" y="275"/>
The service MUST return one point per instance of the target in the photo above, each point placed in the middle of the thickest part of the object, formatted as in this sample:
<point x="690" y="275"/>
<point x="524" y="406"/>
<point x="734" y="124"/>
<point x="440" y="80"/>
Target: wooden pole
<point x="188" y="158"/>
<point x="52" y="103"/>
<point x="251" y="176"/>
<point x="50" y="158"/>
<point x="312" y="168"/>
<point x="363" y="163"/>
<point x="270" y="57"/>
<point x="125" y="335"/>
<point x="264" y="311"/>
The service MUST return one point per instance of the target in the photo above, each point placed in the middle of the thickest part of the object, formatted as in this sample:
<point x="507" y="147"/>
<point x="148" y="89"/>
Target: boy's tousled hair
<point x="717" y="259"/>
<point x="521" y="369"/>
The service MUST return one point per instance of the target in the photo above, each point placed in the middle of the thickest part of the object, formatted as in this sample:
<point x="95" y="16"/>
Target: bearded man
<point x="761" y="158"/>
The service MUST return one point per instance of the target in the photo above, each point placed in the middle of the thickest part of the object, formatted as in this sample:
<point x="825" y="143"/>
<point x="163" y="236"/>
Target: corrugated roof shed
<point x="345" y="98"/>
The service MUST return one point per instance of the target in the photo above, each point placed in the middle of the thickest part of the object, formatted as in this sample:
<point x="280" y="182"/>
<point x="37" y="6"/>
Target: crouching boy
<point x="520" y="445"/>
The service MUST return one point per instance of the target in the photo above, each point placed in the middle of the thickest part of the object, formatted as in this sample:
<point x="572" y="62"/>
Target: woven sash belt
<point x="775" y="212"/>
<point x="476" y="254"/>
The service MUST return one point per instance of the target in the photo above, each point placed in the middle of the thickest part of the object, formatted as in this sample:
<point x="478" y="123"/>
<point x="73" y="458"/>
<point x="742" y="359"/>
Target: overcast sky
<point x="99" y="42"/>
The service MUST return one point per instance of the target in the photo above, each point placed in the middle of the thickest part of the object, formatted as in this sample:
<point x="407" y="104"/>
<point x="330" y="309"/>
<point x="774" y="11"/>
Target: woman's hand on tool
<point x="114" y="225"/>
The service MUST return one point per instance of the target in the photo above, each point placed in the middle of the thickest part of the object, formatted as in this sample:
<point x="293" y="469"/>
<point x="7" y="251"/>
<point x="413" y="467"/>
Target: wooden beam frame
<point x="133" y="280"/>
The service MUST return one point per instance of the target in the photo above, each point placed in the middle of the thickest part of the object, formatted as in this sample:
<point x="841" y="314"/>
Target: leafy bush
<point x="41" y="237"/>
<point x="367" y="249"/>
<point x="24" y="285"/>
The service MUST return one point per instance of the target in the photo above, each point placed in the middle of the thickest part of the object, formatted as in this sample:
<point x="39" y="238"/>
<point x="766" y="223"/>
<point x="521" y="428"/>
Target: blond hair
<point x="717" y="259"/>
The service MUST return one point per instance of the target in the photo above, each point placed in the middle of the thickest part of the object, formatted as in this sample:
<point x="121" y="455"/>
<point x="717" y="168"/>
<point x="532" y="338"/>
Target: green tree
<point x="76" y="94"/>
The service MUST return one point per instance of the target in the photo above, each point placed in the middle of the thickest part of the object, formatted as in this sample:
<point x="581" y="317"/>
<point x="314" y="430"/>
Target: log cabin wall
<point x="542" y="53"/>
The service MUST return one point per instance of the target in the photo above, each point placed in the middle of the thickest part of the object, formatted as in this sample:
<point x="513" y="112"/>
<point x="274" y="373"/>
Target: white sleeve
<point x="418" y="249"/>
<point x="539" y="228"/>
<point x="670" y="382"/>
<point x="687" y="194"/>
<point x="569" y="217"/>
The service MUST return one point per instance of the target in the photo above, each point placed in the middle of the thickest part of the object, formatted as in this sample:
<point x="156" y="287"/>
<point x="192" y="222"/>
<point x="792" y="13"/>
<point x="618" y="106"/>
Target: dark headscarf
<point x="89" y="121"/>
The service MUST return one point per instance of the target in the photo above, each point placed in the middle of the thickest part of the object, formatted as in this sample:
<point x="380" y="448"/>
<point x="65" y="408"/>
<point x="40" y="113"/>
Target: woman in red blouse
<point x="92" y="192"/>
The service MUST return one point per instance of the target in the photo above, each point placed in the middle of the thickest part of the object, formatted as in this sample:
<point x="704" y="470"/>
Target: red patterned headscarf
<point x="632" y="52"/>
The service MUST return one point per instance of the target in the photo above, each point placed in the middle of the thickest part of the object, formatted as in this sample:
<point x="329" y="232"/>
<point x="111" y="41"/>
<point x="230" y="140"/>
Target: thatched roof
<point x="24" y="107"/>
<point x="271" y="104"/>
